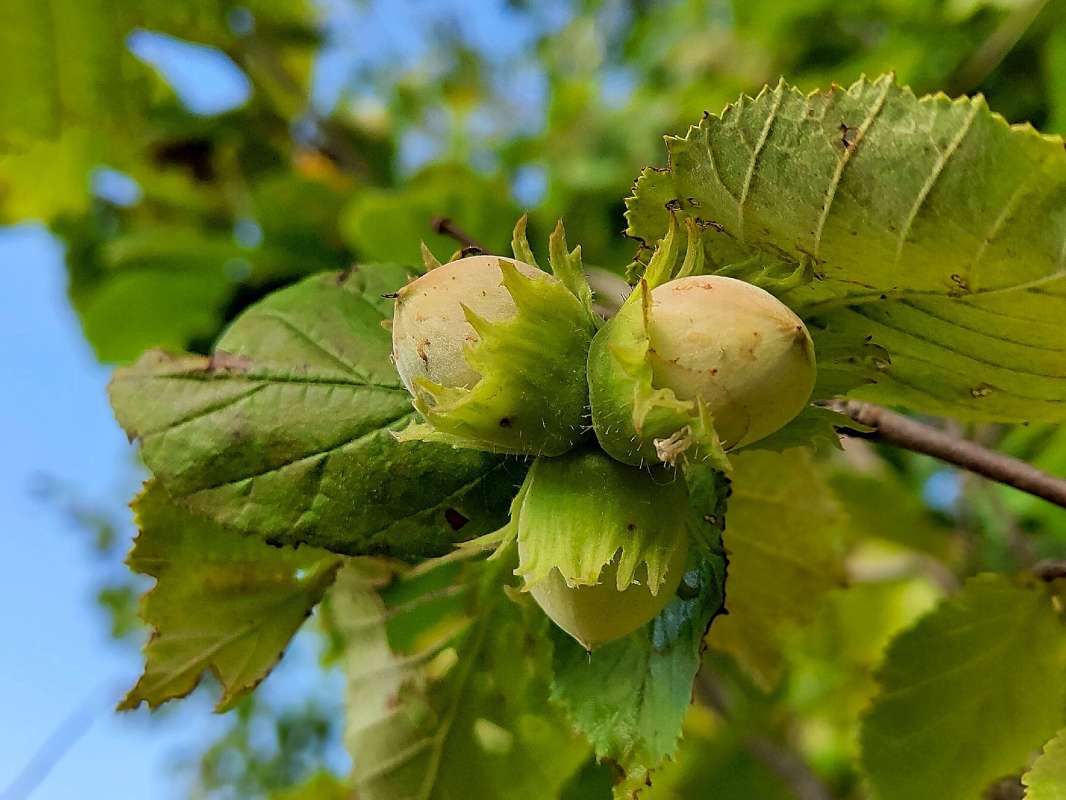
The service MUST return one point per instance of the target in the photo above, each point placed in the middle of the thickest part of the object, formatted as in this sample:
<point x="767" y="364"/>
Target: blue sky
<point x="61" y="657"/>
<point x="62" y="670"/>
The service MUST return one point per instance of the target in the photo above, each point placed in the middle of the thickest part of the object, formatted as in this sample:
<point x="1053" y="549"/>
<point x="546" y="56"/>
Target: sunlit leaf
<point x="959" y="705"/>
<point x="447" y="685"/>
<point x="932" y="228"/>
<point x="782" y="535"/>
<point x="1046" y="780"/>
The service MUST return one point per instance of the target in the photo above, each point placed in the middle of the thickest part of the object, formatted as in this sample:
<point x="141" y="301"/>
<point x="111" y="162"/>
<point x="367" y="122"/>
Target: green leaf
<point x="783" y="541"/>
<point x="930" y="226"/>
<point x="814" y="426"/>
<point x="995" y="652"/>
<point x="286" y="432"/>
<point x="157" y="287"/>
<point x="388" y="224"/>
<point x="447" y="685"/>
<point x="1046" y="780"/>
<point x="629" y="697"/>
<point x="880" y="505"/>
<point x="71" y="93"/>
<point x="831" y="662"/>
<point x="222" y="602"/>
<point x="320" y="786"/>
<point x="716" y="760"/>
<point x="64" y="64"/>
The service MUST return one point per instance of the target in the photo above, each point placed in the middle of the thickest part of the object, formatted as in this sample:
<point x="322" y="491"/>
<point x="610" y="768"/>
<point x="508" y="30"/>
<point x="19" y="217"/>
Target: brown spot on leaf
<point x="221" y="361"/>
<point x="847" y="135"/>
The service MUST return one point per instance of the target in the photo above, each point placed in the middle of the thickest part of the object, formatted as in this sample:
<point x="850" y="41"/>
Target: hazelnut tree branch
<point x="900" y="431"/>
<point x="445" y="227"/>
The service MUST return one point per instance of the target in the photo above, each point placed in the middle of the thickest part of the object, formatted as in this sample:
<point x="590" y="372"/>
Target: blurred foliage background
<point x="194" y="156"/>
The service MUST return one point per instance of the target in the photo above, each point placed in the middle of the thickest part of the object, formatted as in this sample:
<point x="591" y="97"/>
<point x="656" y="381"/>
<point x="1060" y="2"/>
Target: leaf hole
<point x="455" y="518"/>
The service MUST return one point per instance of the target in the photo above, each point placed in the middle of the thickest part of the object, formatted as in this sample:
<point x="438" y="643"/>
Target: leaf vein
<point x="938" y="169"/>
<point x="845" y="159"/>
<point x="764" y="134"/>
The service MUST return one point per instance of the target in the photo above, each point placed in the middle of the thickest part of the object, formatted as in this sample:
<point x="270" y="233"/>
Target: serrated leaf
<point x="1046" y="780"/>
<point x="447" y="682"/>
<point x="813" y="426"/>
<point x="967" y="693"/>
<point x="222" y="602"/>
<point x="831" y="662"/>
<point x="629" y="697"/>
<point x="783" y="541"/>
<point x="286" y="432"/>
<point x="933" y="227"/>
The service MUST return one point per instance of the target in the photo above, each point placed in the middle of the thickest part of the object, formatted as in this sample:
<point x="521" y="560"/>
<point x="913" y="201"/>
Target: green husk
<point x="532" y="397"/>
<point x="636" y="422"/>
<point x="580" y="512"/>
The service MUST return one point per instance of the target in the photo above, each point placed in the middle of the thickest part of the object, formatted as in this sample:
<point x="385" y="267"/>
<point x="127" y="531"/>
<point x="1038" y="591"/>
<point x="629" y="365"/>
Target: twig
<point x="900" y="431"/>
<point x="1050" y="569"/>
<point x="445" y="227"/>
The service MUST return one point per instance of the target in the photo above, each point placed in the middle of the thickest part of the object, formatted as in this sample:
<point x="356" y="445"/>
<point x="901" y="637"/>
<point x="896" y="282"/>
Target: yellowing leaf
<point x="222" y="602"/>
<point x="782" y="536"/>
<point x="320" y="786"/>
<point x="447" y="685"/>
<point x="967" y="693"/>
<point x="1047" y="778"/>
